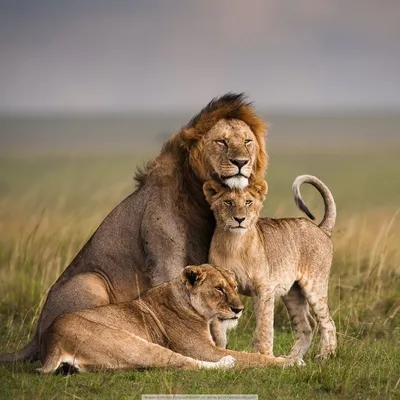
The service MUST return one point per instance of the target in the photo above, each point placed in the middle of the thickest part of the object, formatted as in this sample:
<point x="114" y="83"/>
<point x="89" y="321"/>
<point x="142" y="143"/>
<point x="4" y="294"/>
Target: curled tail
<point x="329" y="219"/>
<point x="28" y="353"/>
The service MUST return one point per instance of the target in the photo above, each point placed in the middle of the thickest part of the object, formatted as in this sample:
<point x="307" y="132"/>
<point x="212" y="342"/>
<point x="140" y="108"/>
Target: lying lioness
<point x="289" y="257"/>
<point x="167" y="326"/>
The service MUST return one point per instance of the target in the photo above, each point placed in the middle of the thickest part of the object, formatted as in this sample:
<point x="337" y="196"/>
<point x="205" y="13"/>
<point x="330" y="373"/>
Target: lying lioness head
<point x="213" y="292"/>
<point x="236" y="210"/>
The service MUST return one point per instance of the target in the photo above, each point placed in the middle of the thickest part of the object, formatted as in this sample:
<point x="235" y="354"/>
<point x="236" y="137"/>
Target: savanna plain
<point x="57" y="184"/>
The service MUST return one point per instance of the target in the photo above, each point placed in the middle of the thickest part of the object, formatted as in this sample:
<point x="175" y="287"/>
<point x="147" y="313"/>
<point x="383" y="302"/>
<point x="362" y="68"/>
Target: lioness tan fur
<point x="166" y="223"/>
<point x="167" y="326"/>
<point x="288" y="257"/>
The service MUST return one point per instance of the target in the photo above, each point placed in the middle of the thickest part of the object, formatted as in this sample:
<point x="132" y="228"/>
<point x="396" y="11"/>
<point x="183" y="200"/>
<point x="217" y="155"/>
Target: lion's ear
<point x="259" y="188"/>
<point x="192" y="275"/>
<point x="211" y="189"/>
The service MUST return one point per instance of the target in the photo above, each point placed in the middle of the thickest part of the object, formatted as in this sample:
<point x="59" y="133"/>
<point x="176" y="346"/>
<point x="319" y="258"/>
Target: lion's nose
<point x="240" y="220"/>
<point x="239" y="163"/>
<point x="237" y="309"/>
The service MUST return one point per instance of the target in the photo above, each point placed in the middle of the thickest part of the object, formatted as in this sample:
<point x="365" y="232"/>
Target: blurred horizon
<point x="126" y="133"/>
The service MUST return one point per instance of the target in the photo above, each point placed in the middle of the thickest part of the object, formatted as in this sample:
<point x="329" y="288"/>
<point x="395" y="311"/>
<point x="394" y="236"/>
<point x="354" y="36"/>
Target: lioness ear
<point x="192" y="275"/>
<point x="259" y="188"/>
<point x="210" y="189"/>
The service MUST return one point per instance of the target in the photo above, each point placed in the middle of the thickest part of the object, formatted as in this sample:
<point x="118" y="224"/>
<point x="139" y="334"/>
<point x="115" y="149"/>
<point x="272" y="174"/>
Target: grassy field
<point x="49" y="206"/>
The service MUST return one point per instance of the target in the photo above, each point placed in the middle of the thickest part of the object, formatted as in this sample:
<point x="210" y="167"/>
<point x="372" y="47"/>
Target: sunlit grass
<point x="49" y="207"/>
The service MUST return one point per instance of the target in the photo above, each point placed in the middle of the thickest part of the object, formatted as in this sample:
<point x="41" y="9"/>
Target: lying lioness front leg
<point x="208" y="352"/>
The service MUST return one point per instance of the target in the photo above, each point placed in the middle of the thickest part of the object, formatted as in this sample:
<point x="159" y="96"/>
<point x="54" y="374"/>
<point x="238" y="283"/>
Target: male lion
<point x="166" y="223"/>
<point x="289" y="257"/>
<point x="167" y="326"/>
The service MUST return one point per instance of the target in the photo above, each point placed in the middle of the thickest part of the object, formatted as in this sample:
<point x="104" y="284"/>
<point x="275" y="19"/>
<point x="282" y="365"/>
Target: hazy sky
<point x="115" y="55"/>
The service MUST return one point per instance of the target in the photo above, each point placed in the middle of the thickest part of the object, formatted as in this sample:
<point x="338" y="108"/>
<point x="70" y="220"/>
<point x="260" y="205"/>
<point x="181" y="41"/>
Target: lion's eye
<point x="249" y="202"/>
<point x="221" y="142"/>
<point x="228" y="203"/>
<point x="247" y="141"/>
<point x="220" y="289"/>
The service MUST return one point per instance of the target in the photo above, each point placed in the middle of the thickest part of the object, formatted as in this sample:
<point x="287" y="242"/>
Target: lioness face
<point x="229" y="149"/>
<point x="236" y="210"/>
<point x="213" y="292"/>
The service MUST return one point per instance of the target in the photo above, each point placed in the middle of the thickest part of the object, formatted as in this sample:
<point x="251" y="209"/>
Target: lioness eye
<point x="249" y="202"/>
<point x="228" y="202"/>
<point x="221" y="142"/>
<point x="220" y="289"/>
<point x="247" y="141"/>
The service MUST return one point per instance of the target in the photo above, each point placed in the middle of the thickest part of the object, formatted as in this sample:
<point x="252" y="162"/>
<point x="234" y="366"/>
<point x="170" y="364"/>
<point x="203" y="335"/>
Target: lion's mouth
<point x="237" y="175"/>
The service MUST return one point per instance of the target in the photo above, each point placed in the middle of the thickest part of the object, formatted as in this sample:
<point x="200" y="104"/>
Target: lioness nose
<point x="240" y="220"/>
<point x="237" y="309"/>
<point x="239" y="163"/>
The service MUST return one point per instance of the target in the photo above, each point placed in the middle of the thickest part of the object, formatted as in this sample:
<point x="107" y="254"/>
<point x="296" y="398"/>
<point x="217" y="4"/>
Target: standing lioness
<point x="289" y="257"/>
<point x="168" y="326"/>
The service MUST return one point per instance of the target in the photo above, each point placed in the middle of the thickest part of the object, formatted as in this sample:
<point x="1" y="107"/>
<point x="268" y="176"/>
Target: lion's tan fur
<point x="288" y="257"/>
<point x="166" y="223"/>
<point x="167" y="326"/>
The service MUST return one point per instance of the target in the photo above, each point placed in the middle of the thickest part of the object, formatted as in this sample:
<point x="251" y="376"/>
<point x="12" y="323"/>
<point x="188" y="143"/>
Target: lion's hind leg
<point x="80" y="292"/>
<point x="316" y="293"/>
<point x="301" y="320"/>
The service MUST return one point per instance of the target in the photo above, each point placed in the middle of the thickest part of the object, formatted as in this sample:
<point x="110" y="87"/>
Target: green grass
<point x="49" y="206"/>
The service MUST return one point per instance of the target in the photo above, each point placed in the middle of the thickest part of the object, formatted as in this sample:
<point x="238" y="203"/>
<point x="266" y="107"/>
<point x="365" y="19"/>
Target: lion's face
<point x="213" y="292"/>
<point x="229" y="149"/>
<point x="236" y="210"/>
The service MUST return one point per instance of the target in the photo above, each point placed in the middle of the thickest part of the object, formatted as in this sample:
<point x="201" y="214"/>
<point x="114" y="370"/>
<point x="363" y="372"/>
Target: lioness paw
<point x="227" y="362"/>
<point x="224" y="362"/>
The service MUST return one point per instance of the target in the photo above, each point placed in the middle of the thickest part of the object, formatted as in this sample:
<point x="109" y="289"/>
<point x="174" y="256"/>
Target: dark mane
<point x="228" y="103"/>
<point x="228" y="106"/>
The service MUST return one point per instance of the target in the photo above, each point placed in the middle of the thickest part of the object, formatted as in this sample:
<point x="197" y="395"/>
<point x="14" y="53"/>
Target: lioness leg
<point x="301" y="320"/>
<point x="87" y="345"/>
<point x="317" y="295"/>
<point x="207" y="351"/>
<point x="78" y="293"/>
